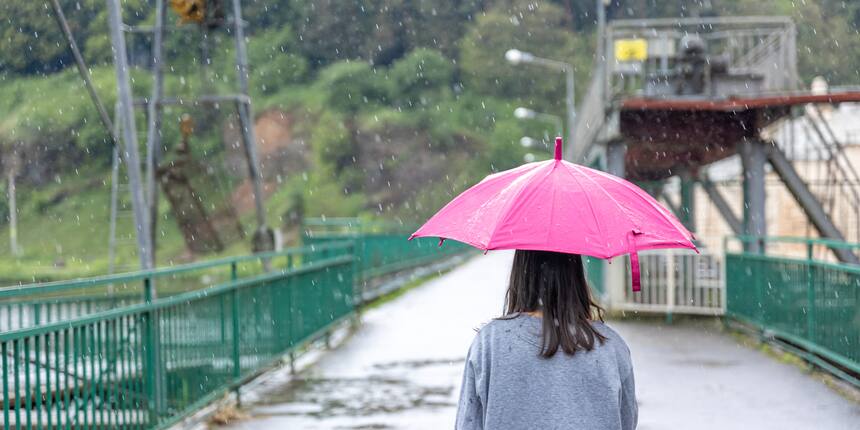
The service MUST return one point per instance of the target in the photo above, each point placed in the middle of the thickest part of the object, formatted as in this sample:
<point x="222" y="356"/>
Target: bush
<point x="352" y="85"/>
<point x="419" y="76"/>
<point x="275" y="60"/>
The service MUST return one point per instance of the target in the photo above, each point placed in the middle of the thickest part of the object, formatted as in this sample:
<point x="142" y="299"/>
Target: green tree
<point x="275" y="60"/>
<point x="420" y="76"/>
<point x="333" y="30"/>
<point x="31" y="41"/>
<point x="351" y="86"/>
<point x="536" y="28"/>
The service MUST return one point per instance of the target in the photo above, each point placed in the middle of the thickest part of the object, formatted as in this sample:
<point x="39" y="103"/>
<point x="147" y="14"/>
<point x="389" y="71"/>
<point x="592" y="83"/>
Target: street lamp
<point x="515" y="57"/>
<point x="526" y="113"/>
<point x="527" y="142"/>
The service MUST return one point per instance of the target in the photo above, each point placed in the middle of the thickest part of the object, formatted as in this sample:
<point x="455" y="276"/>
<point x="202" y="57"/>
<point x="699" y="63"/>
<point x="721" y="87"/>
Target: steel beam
<point x="129" y="134"/>
<point x="753" y="159"/>
<point x="249" y="139"/>
<point x="808" y="202"/>
<point x="84" y="71"/>
<point x="688" y="201"/>
<point x="616" y="154"/>
<point x="153" y="117"/>
<point x="722" y="205"/>
<point x="671" y="205"/>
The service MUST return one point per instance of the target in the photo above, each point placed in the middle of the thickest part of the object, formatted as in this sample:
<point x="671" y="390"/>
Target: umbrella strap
<point x="635" y="275"/>
<point x="636" y="282"/>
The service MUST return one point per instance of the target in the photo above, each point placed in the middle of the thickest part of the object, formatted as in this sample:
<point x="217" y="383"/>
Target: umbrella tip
<point x="558" y="148"/>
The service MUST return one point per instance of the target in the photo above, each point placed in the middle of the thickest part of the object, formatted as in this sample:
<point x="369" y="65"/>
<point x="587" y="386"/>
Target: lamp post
<point x="526" y="113"/>
<point x="528" y="142"/>
<point x="515" y="56"/>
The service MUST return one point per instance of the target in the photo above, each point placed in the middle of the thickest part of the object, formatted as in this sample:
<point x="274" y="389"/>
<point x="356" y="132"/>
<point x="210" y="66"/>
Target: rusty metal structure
<point x="672" y="96"/>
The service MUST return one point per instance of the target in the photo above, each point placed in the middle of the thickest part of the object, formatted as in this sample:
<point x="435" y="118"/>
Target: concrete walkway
<point x="402" y="370"/>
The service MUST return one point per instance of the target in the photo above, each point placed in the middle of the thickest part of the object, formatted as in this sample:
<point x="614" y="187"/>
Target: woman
<point x="550" y="362"/>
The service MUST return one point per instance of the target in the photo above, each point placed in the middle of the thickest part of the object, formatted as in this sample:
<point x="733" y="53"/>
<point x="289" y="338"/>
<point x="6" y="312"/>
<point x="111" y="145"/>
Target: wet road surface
<point x="402" y="370"/>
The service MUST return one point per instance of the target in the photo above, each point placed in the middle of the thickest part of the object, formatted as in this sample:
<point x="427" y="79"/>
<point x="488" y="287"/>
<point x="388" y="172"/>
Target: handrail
<point x="807" y="303"/>
<point x="830" y="243"/>
<point x="813" y="262"/>
<point x="55" y="286"/>
<point x="172" y="300"/>
<point x="134" y="356"/>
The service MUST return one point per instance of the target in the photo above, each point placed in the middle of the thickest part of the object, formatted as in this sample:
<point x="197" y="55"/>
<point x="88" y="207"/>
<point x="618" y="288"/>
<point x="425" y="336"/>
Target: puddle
<point x="706" y="363"/>
<point x="379" y="393"/>
<point x="418" y="363"/>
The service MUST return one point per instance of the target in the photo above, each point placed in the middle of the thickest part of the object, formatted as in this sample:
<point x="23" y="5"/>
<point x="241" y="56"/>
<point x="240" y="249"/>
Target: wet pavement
<point x="402" y="370"/>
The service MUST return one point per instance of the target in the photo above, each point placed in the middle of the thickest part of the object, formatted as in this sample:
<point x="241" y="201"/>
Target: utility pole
<point x="129" y="136"/>
<point x="153" y="115"/>
<point x="601" y="28"/>
<point x="263" y="237"/>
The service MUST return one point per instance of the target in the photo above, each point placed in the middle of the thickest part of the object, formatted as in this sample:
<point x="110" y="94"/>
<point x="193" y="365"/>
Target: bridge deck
<point x="402" y="370"/>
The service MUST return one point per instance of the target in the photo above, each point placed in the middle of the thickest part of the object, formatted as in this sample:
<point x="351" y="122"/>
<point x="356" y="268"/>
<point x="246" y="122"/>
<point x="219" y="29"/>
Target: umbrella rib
<point x="609" y="196"/>
<point x="590" y="206"/>
<point x="552" y="210"/>
<point x="661" y="210"/>
<point x="504" y="213"/>
<point x="486" y="182"/>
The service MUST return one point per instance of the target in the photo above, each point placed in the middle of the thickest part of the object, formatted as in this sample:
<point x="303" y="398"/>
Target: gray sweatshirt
<point x="508" y="386"/>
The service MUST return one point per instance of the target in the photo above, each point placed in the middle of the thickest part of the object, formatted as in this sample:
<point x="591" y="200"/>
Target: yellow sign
<point x="631" y="49"/>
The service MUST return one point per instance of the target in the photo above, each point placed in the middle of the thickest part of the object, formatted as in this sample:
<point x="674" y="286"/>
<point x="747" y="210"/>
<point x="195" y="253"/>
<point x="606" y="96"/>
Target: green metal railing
<point x="145" y="349"/>
<point x="811" y="304"/>
<point x="147" y="365"/>
<point x="33" y="304"/>
<point x="381" y="248"/>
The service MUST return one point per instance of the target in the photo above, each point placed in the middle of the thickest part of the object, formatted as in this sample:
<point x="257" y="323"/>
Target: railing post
<point x="152" y="367"/>
<point x="810" y="295"/>
<point x="237" y="356"/>
<point x="757" y="264"/>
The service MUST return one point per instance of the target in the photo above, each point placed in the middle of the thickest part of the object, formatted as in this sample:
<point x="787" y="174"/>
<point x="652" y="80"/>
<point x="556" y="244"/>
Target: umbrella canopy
<point x="556" y="205"/>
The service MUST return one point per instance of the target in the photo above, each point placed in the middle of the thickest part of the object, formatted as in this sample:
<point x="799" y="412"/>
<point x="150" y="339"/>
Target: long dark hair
<point x="554" y="284"/>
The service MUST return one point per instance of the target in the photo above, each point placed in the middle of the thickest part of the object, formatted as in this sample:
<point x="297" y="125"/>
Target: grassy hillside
<point x="371" y="109"/>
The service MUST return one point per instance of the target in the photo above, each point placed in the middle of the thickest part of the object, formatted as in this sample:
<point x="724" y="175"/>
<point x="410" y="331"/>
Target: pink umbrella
<point x="556" y="205"/>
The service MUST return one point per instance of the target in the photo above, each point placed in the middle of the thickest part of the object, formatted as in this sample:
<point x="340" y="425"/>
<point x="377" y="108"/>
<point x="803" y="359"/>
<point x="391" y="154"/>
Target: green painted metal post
<point x="810" y="295"/>
<point x="152" y="378"/>
<point x="758" y="292"/>
<point x="688" y="210"/>
<point x="5" y="363"/>
<point x="237" y="353"/>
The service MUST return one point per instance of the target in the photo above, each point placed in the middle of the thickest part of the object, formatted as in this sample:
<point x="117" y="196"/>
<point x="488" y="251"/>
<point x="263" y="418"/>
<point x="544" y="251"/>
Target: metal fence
<point x="29" y="305"/>
<point x="810" y="305"/>
<point x="380" y="249"/>
<point x="677" y="282"/>
<point x="106" y="353"/>
<point x="673" y="282"/>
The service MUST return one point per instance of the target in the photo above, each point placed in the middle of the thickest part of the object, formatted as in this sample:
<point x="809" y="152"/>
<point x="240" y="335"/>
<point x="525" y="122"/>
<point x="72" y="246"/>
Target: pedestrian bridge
<point x="149" y="349"/>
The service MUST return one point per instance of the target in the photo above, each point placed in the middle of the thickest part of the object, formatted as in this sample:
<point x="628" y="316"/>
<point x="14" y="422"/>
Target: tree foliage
<point x="417" y="77"/>
<point x="536" y="28"/>
<point x="354" y="85"/>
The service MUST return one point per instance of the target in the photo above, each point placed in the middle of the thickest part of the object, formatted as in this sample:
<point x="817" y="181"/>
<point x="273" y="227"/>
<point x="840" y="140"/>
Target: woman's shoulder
<point x="613" y="340"/>
<point x="501" y="328"/>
